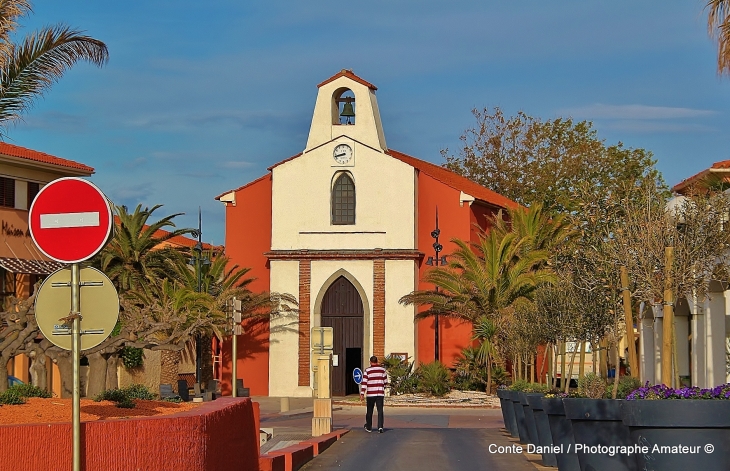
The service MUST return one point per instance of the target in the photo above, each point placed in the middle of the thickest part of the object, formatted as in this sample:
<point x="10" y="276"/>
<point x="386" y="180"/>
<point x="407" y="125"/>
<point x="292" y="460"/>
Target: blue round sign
<point x="357" y="375"/>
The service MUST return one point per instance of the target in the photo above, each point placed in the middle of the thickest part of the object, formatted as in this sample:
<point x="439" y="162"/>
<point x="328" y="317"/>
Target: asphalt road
<point x="419" y="449"/>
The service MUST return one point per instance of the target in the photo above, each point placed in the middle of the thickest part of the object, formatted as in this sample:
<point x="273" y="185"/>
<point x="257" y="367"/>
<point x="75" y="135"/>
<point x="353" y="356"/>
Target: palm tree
<point x="29" y="68"/>
<point x="485" y="332"/>
<point x="483" y="279"/>
<point x="718" y="23"/>
<point x="135" y="254"/>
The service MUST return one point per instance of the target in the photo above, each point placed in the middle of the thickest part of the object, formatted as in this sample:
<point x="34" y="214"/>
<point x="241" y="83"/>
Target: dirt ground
<point x="40" y="411"/>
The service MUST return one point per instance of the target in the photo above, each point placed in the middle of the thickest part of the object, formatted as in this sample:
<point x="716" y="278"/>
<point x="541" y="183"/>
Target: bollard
<point x="284" y="404"/>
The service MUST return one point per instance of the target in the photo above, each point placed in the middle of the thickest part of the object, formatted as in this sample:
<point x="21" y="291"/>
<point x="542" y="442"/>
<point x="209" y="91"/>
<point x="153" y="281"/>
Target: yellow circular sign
<point x="99" y="307"/>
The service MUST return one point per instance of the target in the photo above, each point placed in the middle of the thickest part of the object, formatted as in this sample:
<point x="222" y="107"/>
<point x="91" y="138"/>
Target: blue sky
<point x="201" y="97"/>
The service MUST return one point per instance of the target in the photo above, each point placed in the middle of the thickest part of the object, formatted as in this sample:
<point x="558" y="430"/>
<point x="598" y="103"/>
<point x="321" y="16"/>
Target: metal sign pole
<point x="235" y="368"/>
<point x="76" y="354"/>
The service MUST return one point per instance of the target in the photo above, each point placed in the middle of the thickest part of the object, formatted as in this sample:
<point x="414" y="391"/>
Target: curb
<point x="294" y="457"/>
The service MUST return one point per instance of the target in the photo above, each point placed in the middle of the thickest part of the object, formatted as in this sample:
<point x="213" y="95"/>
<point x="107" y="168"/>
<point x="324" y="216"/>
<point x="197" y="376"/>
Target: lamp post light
<point x="198" y="261"/>
<point x="436" y="261"/>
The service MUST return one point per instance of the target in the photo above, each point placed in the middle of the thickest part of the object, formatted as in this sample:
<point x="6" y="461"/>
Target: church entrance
<point x="342" y="310"/>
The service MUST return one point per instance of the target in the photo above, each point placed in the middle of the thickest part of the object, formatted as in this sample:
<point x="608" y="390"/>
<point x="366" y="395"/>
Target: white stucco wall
<point x="284" y="338"/>
<point x="301" y="201"/>
<point x="399" y="326"/>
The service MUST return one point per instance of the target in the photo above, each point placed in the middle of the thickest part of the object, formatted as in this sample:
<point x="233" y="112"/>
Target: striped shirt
<point x="374" y="380"/>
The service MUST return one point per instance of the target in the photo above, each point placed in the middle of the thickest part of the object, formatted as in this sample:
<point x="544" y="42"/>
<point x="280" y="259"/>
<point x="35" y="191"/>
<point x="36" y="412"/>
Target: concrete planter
<point x="597" y="423"/>
<point x="508" y="412"/>
<point x="693" y="426"/>
<point x="544" y="438"/>
<point x="519" y="417"/>
<point x="561" y="431"/>
<point x="529" y="420"/>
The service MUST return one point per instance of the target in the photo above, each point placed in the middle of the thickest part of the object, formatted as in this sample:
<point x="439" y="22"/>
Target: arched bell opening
<point x="343" y="106"/>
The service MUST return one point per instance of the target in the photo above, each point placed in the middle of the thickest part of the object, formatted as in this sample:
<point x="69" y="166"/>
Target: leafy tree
<point x="29" y="67"/>
<point x="485" y="333"/>
<point x="534" y="161"/>
<point x="718" y="24"/>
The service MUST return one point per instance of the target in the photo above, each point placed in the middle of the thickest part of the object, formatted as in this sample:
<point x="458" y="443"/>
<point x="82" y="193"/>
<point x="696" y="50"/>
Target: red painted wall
<point x="248" y="237"/>
<point x="217" y="435"/>
<point x="454" y="222"/>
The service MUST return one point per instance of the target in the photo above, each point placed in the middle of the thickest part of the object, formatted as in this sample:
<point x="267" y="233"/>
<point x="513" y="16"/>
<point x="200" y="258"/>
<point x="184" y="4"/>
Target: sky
<point x="202" y="97"/>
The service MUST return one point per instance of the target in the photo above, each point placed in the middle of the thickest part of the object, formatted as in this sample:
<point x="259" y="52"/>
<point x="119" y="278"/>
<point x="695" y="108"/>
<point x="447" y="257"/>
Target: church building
<point x="347" y="226"/>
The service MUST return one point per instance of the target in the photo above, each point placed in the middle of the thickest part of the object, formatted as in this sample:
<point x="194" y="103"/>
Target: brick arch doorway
<point x="342" y="309"/>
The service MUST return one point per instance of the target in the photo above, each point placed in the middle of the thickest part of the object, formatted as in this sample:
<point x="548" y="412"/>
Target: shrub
<point x="126" y="403"/>
<point x="626" y="385"/>
<point x="28" y="390"/>
<point x="537" y="388"/>
<point x="132" y="357"/>
<point x="519" y="385"/>
<point x="592" y="386"/>
<point x="433" y="378"/>
<point x="139" y="391"/>
<point x="11" y="397"/>
<point x="471" y="373"/>
<point x="114" y="395"/>
<point x="499" y="376"/>
<point x="175" y="399"/>
<point x="400" y="376"/>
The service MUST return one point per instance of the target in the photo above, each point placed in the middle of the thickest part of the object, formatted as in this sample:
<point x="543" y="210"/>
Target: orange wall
<point x="454" y="222"/>
<point x="217" y="435"/>
<point x="248" y="237"/>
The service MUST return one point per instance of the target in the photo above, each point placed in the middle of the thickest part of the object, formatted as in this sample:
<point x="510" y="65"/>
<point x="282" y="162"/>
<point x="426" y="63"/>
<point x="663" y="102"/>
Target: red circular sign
<point x="70" y="220"/>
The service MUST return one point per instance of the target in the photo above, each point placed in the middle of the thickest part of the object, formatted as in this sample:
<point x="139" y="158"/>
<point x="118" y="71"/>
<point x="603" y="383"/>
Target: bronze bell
<point x="348" y="111"/>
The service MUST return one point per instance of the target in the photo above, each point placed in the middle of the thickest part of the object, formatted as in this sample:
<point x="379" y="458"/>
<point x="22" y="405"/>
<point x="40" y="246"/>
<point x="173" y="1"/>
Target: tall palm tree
<point x="30" y="67"/>
<point x="718" y="24"/>
<point x="483" y="279"/>
<point x="136" y="253"/>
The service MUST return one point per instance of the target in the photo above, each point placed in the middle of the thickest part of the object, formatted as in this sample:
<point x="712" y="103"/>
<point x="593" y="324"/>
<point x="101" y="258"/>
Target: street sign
<point x="322" y="338"/>
<point x="70" y="220"/>
<point x="357" y="375"/>
<point x="99" y="307"/>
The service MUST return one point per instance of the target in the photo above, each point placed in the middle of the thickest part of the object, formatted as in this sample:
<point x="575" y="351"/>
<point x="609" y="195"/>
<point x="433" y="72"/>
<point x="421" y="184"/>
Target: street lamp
<point x="198" y="261"/>
<point x="436" y="261"/>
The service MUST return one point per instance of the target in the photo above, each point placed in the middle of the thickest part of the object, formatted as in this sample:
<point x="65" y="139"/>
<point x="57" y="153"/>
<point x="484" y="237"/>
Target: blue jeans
<point x="371" y="402"/>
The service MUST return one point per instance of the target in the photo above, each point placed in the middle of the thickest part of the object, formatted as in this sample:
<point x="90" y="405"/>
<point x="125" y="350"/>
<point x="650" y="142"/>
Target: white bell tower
<point x="346" y="106"/>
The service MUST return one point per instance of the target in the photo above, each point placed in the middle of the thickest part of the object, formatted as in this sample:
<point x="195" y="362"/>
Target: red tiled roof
<point x="29" y="154"/>
<point x="705" y="175"/>
<point x="455" y="180"/>
<point x="179" y="240"/>
<point x="348" y="73"/>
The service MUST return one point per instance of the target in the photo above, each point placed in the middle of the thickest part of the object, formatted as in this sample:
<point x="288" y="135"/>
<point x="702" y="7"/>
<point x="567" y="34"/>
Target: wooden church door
<point x="342" y="310"/>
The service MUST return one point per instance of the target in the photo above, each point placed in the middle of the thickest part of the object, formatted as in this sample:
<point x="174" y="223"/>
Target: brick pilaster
<point x="305" y="278"/>
<point x="379" y="308"/>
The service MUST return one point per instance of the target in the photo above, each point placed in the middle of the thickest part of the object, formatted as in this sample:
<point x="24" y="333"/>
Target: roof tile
<point x="29" y="154"/>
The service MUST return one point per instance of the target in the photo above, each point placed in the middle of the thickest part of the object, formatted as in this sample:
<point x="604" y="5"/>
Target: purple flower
<point x="661" y="391"/>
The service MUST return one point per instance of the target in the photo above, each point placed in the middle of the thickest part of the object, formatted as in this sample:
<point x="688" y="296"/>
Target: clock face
<point x="342" y="154"/>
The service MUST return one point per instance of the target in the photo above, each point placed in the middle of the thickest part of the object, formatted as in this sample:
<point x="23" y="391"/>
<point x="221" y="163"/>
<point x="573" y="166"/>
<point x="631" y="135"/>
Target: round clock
<point x="342" y="154"/>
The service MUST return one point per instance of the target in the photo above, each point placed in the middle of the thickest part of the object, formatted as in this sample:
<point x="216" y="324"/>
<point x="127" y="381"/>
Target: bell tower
<point x="346" y="106"/>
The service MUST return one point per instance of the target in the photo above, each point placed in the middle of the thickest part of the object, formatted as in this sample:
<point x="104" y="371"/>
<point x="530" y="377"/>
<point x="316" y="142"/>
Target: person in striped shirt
<point x="374" y="381"/>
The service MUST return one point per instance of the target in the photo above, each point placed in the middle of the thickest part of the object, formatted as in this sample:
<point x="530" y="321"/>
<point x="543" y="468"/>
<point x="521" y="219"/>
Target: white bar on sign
<point x="57" y="221"/>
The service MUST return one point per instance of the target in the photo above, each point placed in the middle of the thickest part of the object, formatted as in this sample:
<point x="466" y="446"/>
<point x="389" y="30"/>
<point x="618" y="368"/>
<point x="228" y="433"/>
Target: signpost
<point x="70" y="221"/>
<point x="357" y="375"/>
<point x="236" y="331"/>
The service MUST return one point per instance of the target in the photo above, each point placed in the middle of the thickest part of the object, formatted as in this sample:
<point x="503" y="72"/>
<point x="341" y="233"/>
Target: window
<point x="7" y="192"/>
<point x="33" y="189"/>
<point x="343" y="200"/>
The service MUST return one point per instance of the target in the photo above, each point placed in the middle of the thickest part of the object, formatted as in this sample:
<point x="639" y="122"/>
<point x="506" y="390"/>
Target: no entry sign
<point x="70" y="220"/>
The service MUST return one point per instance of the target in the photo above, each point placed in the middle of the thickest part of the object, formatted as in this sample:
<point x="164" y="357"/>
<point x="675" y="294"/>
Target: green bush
<point x="499" y="376"/>
<point x="626" y="385"/>
<point x="592" y="386"/>
<point x="132" y="357"/>
<point x="519" y="385"/>
<point x="28" y="390"/>
<point x="125" y="397"/>
<point x="11" y="397"/>
<point x="400" y="376"/>
<point x="537" y="388"/>
<point x="471" y="373"/>
<point x="433" y="378"/>
<point x="139" y="391"/>
<point x="175" y="399"/>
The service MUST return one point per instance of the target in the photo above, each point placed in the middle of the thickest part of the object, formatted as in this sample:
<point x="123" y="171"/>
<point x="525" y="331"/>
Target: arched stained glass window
<point x="343" y="200"/>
